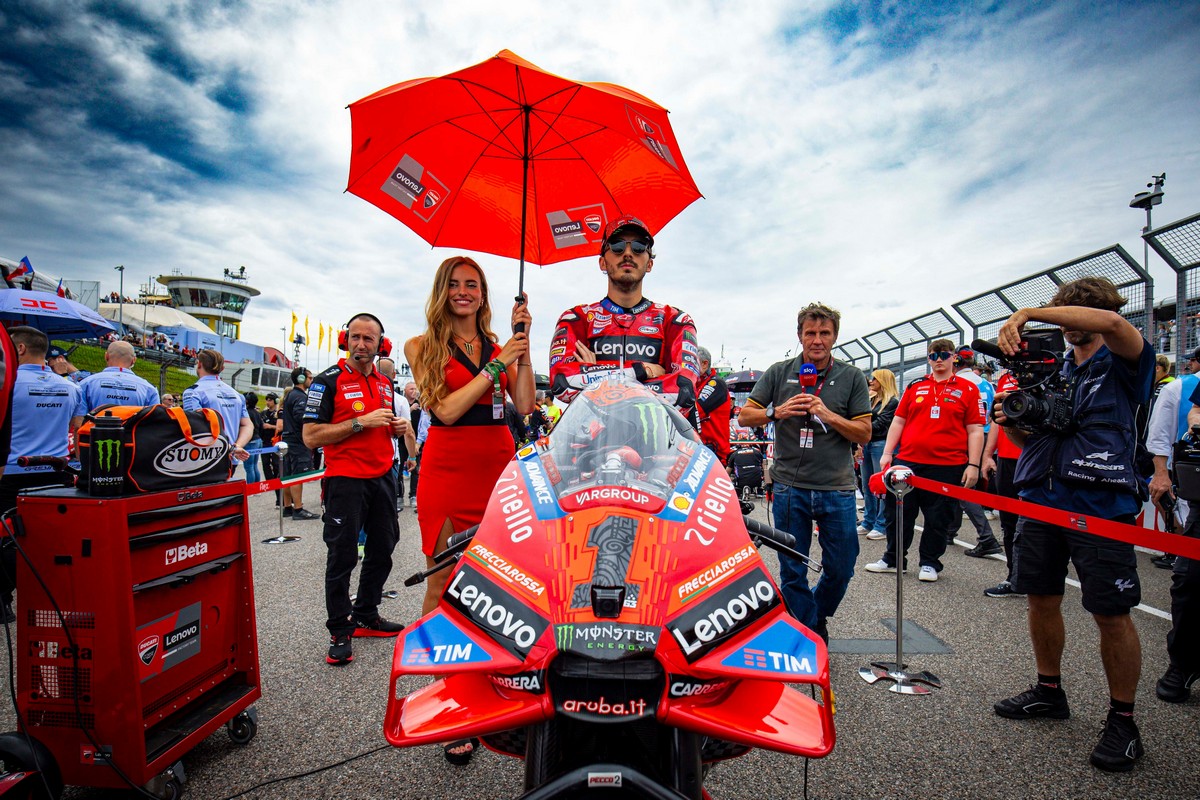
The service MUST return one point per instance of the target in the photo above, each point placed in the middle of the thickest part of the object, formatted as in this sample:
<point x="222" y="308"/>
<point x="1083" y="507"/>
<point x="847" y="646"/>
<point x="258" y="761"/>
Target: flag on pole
<point x="306" y="336"/>
<point x="61" y="291"/>
<point x="320" y="335"/>
<point x="329" y="344"/>
<point x="23" y="269"/>
<point x="292" y="335"/>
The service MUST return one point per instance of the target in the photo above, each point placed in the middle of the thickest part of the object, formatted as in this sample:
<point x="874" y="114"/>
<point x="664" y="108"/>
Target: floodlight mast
<point x="1149" y="200"/>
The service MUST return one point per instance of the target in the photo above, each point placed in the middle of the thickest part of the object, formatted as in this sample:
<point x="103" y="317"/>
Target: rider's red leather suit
<point x="648" y="333"/>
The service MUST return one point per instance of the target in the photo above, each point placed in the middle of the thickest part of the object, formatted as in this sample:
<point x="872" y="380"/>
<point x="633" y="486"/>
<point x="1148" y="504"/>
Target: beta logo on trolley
<point x="182" y="458"/>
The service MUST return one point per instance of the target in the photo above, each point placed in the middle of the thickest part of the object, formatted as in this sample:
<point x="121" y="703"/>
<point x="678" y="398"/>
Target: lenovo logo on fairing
<point x="746" y="599"/>
<point x="509" y="622"/>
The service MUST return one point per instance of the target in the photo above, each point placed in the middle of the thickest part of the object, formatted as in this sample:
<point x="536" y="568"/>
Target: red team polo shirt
<point x="936" y="416"/>
<point x="1005" y="447"/>
<point x="340" y="393"/>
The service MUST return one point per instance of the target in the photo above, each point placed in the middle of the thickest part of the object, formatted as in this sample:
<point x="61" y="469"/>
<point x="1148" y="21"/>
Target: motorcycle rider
<point x="658" y="341"/>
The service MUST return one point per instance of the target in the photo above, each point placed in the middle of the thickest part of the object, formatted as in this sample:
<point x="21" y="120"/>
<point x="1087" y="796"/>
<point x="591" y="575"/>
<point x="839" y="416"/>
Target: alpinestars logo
<point x="108" y="454"/>
<point x="1105" y="456"/>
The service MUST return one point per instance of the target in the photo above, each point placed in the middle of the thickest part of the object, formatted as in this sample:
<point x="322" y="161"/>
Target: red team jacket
<point x="648" y="333"/>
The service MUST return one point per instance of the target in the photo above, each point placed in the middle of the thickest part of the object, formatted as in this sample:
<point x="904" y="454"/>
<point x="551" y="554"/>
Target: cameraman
<point x="1086" y="468"/>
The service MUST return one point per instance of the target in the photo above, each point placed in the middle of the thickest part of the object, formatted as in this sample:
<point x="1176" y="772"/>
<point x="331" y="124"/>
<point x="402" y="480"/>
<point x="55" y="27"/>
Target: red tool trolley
<point x="159" y="646"/>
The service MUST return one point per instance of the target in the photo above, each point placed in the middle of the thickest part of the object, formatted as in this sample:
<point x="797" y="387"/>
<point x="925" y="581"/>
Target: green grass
<point x="91" y="358"/>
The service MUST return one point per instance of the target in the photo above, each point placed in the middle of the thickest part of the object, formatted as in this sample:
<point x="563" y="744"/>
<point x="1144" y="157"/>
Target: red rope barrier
<point x="1131" y="534"/>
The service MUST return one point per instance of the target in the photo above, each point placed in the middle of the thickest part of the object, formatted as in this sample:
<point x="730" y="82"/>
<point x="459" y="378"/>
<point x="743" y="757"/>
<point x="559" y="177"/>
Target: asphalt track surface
<point x="946" y="745"/>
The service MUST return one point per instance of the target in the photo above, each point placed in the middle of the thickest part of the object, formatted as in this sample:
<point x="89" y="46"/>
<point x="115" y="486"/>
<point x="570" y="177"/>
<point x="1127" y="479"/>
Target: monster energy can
<point x="106" y="466"/>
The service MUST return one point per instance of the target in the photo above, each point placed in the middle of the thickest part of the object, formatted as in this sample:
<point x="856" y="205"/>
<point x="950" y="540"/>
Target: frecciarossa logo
<point x="512" y="624"/>
<point x="710" y="623"/>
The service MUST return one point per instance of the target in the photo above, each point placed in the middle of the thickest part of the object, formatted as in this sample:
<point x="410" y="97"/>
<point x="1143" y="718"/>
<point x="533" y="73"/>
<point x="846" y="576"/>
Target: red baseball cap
<point x="626" y="224"/>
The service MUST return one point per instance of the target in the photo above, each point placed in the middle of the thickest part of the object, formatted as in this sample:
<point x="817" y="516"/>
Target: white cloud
<point x="885" y="181"/>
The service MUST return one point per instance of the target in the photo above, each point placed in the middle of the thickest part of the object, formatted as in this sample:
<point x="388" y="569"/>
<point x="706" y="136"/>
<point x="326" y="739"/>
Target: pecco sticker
<point x="181" y="458"/>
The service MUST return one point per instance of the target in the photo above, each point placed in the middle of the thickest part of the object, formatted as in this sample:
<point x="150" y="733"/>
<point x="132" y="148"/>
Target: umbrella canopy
<point x="53" y="315"/>
<point x="505" y="158"/>
<point x="742" y="381"/>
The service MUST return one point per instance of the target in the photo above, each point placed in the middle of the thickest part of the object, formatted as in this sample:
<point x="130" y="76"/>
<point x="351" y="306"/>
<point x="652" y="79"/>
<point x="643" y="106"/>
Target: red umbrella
<point x="507" y="159"/>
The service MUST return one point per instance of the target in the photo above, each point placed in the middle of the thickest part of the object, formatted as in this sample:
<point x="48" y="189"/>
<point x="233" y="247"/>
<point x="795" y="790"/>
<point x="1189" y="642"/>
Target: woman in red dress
<point x="463" y="375"/>
<point x="456" y="364"/>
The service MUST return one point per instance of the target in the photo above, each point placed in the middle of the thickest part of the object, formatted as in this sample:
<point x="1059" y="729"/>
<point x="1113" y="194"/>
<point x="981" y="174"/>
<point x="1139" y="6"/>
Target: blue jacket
<point x="1064" y="470"/>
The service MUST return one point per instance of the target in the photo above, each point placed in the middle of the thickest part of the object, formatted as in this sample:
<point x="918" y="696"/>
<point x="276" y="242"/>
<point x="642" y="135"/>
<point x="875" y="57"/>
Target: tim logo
<point x="176" y="555"/>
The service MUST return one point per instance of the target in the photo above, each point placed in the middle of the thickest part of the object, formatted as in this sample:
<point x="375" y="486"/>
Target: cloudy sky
<point x="885" y="158"/>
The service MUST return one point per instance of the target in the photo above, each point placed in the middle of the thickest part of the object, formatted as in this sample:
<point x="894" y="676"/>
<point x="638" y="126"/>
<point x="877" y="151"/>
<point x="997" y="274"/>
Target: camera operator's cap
<point x="55" y="352"/>
<point x="1195" y="356"/>
<point x="626" y="224"/>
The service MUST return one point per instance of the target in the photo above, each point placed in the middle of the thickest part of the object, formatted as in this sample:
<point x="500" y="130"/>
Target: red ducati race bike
<point x="610" y="620"/>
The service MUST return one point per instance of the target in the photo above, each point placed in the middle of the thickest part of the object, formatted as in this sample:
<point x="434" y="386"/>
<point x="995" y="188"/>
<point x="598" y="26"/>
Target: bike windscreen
<point x="618" y="433"/>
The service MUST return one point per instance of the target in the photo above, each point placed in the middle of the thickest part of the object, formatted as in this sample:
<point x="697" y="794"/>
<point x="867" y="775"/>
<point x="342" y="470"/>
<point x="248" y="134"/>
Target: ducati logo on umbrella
<point x="594" y="222"/>
<point x="648" y="135"/>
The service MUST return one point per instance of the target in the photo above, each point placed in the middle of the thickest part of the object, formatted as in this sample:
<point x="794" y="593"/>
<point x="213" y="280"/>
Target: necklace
<point x="468" y="343"/>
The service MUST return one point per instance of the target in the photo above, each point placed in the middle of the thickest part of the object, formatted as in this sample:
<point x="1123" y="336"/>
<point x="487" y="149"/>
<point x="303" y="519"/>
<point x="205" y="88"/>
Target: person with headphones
<point x="298" y="457"/>
<point x="351" y="415"/>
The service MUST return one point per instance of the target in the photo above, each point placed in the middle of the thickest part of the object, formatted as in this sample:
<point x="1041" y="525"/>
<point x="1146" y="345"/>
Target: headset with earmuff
<point x="343" y="337"/>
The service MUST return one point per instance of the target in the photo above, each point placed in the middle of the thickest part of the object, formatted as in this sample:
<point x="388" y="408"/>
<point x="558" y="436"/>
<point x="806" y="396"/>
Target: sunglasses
<point x="942" y="356"/>
<point x="618" y="247"/>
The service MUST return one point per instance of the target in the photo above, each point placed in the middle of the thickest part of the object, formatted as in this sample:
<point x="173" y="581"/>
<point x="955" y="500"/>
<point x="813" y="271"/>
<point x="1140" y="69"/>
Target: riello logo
<point x="108" y="454"/>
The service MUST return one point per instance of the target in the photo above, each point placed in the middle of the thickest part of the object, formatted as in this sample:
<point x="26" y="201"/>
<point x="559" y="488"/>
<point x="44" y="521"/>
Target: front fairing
<point x="618" y="543"/>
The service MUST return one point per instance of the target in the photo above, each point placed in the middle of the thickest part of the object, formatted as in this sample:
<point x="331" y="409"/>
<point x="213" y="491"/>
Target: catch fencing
<point x="902" y="346"/>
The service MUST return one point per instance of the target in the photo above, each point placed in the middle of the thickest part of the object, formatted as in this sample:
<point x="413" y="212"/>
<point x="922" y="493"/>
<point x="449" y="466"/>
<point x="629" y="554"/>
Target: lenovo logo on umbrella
<point x="409" y="182"/>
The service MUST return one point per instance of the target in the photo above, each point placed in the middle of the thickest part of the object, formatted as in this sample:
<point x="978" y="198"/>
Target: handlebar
<point x="765" y="531"/>
<point x="781" y="542"/>
<point x="58" y="462"/>
<point x="454" y="547"/>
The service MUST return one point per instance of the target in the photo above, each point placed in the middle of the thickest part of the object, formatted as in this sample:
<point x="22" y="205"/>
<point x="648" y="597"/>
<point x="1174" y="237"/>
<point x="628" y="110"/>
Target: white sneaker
<point x="875" y="536"/>
<point x="863" y="530"/>
<point x="927" y="574"/>
<point x="879" y="566"/>
<point x="412" y="501"/>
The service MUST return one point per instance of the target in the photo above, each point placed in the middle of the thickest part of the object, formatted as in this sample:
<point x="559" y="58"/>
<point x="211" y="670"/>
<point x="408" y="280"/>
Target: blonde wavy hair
<point x="437" y="339"/>
<point x="887" y="385"/>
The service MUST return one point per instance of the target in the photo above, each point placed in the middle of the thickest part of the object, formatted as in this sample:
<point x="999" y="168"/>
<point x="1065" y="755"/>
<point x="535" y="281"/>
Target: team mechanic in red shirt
<point x="714" y="408"/>
<point x="351" y="413"/>
<point x="657" y="340"/>
<point x="937" y="432"/>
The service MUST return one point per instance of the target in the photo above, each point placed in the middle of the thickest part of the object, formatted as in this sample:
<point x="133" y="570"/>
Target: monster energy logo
<point x="108" y="454"/>
<point x="564" y="636"/>
<point x="650" y="415"/>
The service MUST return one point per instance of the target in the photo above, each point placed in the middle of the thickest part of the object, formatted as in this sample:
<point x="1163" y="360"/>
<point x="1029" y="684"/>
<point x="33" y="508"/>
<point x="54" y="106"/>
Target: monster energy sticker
<point x="597" y="637"/>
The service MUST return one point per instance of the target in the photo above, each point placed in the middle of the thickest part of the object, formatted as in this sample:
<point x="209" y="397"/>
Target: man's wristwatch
<point x="771" y="412"/>
<point x="356" y="426"/>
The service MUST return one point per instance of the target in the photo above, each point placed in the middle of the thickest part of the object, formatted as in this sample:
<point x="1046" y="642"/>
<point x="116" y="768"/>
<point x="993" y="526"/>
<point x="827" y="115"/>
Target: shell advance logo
<point x="182" y="459"/>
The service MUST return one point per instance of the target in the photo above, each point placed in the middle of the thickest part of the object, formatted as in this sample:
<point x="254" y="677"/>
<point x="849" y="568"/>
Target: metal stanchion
<point x="281" y="539"/>
<point x="904" y="682"/>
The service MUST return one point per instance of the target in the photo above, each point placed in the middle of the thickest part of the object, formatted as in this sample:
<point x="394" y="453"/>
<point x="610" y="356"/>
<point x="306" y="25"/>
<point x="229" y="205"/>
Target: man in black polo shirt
<point x="816" y="428"/>
<point x="351" y="414"/>
<point x="298" y="457"/>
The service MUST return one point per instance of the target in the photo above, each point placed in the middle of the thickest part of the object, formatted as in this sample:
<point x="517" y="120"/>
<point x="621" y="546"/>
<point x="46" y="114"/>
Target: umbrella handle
<point x="520" y="326"/>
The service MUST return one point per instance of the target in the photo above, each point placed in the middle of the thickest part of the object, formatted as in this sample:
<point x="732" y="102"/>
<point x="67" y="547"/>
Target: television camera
<point x="1044" y="402"/>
